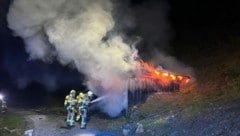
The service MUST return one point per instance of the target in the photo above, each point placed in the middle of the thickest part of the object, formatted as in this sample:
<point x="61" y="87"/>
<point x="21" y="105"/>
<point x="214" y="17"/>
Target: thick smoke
<point x="84" y="34"/>
<point x="172" y="64"/>
<point x="153" y="24"/>
<point x="76" y="32"/>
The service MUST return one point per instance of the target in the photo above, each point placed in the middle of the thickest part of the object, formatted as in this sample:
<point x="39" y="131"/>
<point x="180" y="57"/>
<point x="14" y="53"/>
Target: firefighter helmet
<point x="90" y="93"/>
<point x="73" y="93"/>
<point x="81" y="95"/>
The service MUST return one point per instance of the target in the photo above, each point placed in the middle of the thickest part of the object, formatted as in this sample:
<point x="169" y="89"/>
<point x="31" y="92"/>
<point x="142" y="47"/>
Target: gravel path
<point x="53" y="125"/>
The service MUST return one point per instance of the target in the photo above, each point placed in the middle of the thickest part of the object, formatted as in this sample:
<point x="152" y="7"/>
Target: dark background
<point x="190" y="21"/>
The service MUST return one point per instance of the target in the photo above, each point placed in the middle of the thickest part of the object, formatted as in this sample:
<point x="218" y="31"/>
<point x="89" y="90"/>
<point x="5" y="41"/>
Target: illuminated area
<point x="1" y="96"/>
<point x="160" y="76"/>
<point x="148" y="80"/>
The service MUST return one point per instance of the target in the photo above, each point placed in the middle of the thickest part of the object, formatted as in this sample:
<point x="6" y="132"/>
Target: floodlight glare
<point x="1" y="96"/>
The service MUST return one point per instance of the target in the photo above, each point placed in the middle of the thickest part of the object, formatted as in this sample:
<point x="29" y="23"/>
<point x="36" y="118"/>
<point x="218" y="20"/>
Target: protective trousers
<point x="70" y="116"/>
<point x="83" y="122"/>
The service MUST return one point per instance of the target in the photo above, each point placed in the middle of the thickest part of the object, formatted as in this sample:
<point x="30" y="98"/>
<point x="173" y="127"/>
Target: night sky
<point x="19" y="76"/>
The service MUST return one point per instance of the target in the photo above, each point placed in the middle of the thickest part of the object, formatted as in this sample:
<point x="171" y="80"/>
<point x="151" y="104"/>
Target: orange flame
<point x="161" y="76"/>
<point x="157" y="73"/>
<point x="173" y="77"/>
<point x="165" y="74"/>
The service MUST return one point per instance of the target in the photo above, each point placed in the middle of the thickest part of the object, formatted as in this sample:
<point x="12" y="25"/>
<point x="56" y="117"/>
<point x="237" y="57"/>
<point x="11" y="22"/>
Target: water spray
<point x="99" y="98"/>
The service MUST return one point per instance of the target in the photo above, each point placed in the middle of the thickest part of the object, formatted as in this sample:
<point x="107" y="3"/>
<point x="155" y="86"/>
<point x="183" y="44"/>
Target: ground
<point x="210" y="120"/>
<point x="207" y="107"/>
<point x="48" y="124"/>
<point x="12" y="124"/>
<point x="163" y="114"/>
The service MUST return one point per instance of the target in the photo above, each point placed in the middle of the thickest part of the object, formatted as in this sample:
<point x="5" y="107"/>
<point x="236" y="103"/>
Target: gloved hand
<point x="70" y="109"/>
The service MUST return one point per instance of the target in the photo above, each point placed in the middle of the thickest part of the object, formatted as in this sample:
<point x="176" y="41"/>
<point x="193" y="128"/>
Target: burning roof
<point x="148" y="76"/>
<point x="160" y="75"/>
<point x="149" y="79"/>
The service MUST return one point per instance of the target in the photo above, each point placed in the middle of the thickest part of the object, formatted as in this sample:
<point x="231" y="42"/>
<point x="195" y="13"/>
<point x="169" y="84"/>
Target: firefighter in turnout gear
<point x="83" y="108"/>
<point x="70" y="104"/>
<point x="80" y="98"/>
<point x="3" y="104"/>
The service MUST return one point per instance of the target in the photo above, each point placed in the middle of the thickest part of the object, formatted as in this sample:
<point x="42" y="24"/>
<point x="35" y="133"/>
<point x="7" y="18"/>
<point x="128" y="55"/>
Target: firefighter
<point x="70" y="104"/>
<point x="80" y="98"/>
<point x="90" y="95"/>
<point x="83" y="108"/>
<point x="3" y="104"/>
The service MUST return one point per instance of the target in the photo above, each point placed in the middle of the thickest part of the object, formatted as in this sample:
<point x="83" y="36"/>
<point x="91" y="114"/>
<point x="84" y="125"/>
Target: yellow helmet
<point x="81" y="95"/>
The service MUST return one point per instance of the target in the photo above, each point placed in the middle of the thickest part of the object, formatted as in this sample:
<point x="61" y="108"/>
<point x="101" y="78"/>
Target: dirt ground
<point x="54" y="125"/>
<point x="213" y="120"/>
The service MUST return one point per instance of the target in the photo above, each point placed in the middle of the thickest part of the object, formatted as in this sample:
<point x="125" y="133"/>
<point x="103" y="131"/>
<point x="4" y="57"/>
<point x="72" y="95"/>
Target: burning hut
<point x="148" y="80"/>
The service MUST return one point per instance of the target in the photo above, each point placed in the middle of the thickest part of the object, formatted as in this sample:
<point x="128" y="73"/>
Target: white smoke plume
<point x="72" y="32"/>
<point x="172" y="64"/>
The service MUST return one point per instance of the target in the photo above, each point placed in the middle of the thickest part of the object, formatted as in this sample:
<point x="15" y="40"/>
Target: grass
<point x="12" y="124"/>
<point x="113" y="124"/>
<point x="217" y="72"/>
<point x="153" y="122"/>
<point x="217" y="82"/>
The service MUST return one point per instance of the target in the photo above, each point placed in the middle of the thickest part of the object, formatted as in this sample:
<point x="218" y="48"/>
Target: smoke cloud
<point x="85" y="35"/>
<point x="76" y="32"/>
